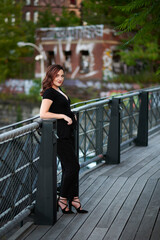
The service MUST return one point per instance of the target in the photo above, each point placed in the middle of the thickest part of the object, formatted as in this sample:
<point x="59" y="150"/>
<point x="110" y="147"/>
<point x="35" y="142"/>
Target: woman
<point x="56" y="104"/>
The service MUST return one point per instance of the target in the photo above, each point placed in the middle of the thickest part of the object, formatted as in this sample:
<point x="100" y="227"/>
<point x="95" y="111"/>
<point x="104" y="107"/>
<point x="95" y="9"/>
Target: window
<point x="73" y="2"/>
<point x="35" y="17"/>
<point x="36" y="2"/>
<point x="116" y="62"/>
<point x="28" y="16"/>
<point x="67" y="63"/>
<point x="28" y="2"/>
<point x="13" y="19"/>
<point x="84" y="62"/>
<point x="51" y="59"/>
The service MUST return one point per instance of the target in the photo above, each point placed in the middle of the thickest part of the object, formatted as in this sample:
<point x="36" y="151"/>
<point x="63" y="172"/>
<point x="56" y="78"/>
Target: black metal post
<point x="99" y="130"/>
<point x="76" y="135"/>
<point x="113" y="148"/>
<point x="46" y="197"/>
<point x="142" y="135"/>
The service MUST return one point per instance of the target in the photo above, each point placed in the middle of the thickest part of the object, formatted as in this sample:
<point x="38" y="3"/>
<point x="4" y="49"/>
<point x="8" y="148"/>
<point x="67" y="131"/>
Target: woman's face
<point x="58" y="80"/>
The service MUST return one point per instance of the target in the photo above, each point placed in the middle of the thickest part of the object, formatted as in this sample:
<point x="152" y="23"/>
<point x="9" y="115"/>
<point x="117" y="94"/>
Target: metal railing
<point x="19" y="155"/>
<point x="104" y="127"/>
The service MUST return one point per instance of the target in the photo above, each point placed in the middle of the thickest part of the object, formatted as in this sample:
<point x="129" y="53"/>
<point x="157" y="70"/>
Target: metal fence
<point x="105" y="126"/>
<point x="19" y="155"/>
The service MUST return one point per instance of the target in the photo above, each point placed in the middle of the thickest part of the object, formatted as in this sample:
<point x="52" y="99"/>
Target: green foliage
<point x="29" y="28"/>
<point x="142" y="79"/>
<point x="144" y="19"/>
<point x="10" y="33"/>
<point x="19" y="113"/>
<point x="35" y="89"/>
<point x="67" y="19"/>
<point x="103" y="12"/>
<point x="144" y="51"/>
<point x="48" y="19"/>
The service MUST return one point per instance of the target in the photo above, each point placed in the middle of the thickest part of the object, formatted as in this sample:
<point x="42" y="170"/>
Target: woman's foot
<point x="62" y="203"/>
<point x="77" y="205"/>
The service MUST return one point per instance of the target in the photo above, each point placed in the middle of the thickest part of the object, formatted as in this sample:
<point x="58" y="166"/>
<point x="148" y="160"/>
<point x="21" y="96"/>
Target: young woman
<point x="56" y="104"/>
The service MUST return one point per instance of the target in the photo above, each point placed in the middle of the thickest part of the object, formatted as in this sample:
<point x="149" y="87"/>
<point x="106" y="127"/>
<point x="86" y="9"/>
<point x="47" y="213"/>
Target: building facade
<point x="86" y="52"/>
<point x="32" y="8"/>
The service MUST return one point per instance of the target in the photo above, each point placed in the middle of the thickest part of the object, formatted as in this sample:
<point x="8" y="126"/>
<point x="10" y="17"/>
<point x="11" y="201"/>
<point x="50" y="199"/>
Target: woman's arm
<point x="45" y="114"/>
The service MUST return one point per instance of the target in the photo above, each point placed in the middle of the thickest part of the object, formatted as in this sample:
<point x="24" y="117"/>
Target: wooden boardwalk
<point x="123" y="201"/>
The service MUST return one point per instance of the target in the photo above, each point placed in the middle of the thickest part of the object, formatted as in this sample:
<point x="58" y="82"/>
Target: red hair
<point x="50" y="76"/>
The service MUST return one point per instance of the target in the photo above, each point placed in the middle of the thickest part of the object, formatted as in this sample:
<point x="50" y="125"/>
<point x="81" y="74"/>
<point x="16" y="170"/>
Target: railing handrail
<point x="19" y="131"/>
<point x="91" y="105"/>
<point x="13" y="125"/>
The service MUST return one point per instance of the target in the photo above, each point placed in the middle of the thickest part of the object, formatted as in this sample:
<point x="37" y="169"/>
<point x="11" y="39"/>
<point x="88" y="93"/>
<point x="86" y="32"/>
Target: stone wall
<point x="12" y="112"/>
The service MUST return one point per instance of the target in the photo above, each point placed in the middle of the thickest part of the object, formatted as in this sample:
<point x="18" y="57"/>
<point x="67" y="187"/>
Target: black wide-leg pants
<point x="70" y="168"/>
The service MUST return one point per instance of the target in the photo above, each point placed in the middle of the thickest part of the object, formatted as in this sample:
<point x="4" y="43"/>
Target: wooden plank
<point x="116" y="204"/>
<point x="37" y="233"/>
<point x="141" y="164"/>
<point x="97" y="234"/>
<point x="98" y="211"/>
<point x="156" y="175"/>
<point x="67" y="231"/>
<point x="148" y="221"/>
<point x="126" y="210"/>
<point x="118" y="170"/>
<point x="135" y="219"/>
<point x="156" y="230"/>
<point x="21" y="231"/>
<point x="118" y="224"/>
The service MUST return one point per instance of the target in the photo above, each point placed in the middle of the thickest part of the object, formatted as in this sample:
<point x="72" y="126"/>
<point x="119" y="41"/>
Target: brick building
<point x="86" y="52"/>
<point x="32" y="8"/>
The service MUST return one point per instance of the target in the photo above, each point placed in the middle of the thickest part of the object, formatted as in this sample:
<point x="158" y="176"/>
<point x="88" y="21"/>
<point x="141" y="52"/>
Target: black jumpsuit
<point x="65" y="143"/>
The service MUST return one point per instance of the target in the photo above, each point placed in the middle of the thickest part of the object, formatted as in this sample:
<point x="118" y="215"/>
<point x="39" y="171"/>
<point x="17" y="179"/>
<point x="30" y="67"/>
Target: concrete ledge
<point x="21" y="231"/>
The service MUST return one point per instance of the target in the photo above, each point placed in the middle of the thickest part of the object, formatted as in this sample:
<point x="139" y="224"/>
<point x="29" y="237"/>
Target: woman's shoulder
<point x="49" y="93"/>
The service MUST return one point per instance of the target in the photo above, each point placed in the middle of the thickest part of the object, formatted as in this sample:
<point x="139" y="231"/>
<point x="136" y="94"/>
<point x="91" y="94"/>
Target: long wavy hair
<point x="50" y="76"/>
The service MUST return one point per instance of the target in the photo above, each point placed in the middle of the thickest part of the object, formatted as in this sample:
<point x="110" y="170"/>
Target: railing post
<point x="113" y="148"/>
<point x="46" y="197"/>
<point x="76" y="135"/>
<point x="99" y="129"/>
<point x="142" y="135"/>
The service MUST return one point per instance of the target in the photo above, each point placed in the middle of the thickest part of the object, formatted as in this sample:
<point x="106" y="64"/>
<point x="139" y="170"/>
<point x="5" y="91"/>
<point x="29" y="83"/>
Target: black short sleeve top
<point x="60" y="105"/>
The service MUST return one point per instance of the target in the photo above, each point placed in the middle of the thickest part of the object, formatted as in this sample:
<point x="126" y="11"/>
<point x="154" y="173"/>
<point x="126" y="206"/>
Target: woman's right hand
<point x="68" y="119"/>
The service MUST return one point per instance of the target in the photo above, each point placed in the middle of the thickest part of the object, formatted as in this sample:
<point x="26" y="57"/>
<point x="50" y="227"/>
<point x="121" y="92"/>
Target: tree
<point x="139" y="17"/>
<point x="10" y="33"/>
<point x="46" y="18"/>
<point x="65" y="19"/>
<point x="102" y="12"/>
<point x="143" y="20"/>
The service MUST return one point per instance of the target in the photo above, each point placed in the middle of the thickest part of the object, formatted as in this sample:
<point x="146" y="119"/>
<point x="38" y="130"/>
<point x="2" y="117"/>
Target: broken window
<point x="84" y="62"/>
<point x="116" y="62"/>
<point x="51" y="59"/>
<point x="67" y="63"/>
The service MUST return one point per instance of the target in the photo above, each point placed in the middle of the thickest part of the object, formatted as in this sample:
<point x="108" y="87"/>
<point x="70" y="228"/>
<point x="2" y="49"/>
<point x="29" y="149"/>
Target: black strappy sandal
<point x="64" y="209"/>
<point x="78" y="209"/>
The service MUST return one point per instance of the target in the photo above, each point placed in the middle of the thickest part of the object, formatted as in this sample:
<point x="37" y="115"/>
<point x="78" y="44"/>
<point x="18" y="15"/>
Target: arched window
<point x="28" y="16"/>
